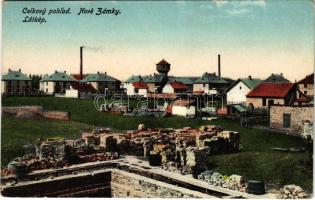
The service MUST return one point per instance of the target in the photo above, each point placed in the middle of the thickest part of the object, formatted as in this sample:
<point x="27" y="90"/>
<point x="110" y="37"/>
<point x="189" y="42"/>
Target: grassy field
<point x="256" y="160"/>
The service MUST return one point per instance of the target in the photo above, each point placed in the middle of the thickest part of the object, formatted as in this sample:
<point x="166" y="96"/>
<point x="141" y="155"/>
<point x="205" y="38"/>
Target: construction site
<point x="166" y="163"/>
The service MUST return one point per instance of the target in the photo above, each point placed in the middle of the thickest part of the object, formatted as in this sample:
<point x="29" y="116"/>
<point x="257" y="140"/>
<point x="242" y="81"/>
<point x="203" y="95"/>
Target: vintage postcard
<point x="157" y="99"/>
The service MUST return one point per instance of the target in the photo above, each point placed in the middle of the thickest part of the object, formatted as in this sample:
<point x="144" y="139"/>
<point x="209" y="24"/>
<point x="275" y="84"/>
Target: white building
<point x="237" y="92"/>
<point x="183" y="108"/>
<point x="136" y="88"/>
<point x="174" y="88"/>
<point x="58" y="83"/>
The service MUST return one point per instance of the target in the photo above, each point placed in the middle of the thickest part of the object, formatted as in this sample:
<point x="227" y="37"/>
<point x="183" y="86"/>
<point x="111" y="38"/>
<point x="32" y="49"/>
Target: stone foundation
<point x="121" y="178"/>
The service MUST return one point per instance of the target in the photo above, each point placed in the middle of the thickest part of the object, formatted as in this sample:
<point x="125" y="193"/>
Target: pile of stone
<point x="171" y="167"/>
<point x="292" y="192"/>
<point x="56" y="150"/>
<point x="233" y="182"/>
<point x="179" y="150"/>
<point x="31" y="162"/>
<point x="213" y="178"/>
<point x="6" y="172"/>
<point x="236" y="182"/>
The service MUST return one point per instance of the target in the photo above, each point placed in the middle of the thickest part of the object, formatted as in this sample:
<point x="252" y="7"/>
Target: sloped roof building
<point x="15" y="83"/>
<point x="306" y="86"/>
<point x="236" y="93"/>
<point x="267" y="94"/>
<point x="276" y="78"/>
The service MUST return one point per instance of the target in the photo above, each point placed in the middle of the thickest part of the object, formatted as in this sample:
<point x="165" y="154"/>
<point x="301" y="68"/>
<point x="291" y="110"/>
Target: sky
<point x="254" y="38"/>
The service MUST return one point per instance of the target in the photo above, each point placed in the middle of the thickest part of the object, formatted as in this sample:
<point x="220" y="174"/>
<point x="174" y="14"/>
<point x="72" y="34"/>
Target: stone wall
<point x="299" y="116"/>
<point x="124" y="184"/>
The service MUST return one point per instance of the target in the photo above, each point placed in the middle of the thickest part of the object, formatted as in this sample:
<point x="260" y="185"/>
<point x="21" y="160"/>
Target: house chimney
<point x="9" y="70"/>
<point x="19" y="70"/>
<point x="219" y="66"/>
<point x="281" y="74"/>
<point x="65" y="72"/>
<point x="81" y="62"/>
<point x="250" y="77"/>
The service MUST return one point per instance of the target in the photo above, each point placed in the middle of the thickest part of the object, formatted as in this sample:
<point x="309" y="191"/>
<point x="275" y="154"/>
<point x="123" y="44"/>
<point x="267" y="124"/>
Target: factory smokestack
<point x="219" y="66"/>
<point x="81" y="62"/>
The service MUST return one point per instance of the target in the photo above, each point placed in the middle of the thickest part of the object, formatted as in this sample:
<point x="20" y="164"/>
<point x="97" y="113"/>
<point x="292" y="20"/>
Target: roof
<point x="140" y="85"/>
<point x="227" y="79"/>
<point x="210" y="78"/>
<point x="99" y="77"/>
<point x="78" y="77"/>
<point x="309" y="79"/>
<point x="278" y="78"/>
<point x="156" y="78"/>
<point x="187" y="80"/>
<point x="82" y="87"/>
<point x="58" y="76"/>
<point x="134" y="78"/>
<point x="163" y="62"/>
<point x="275" y="90"/>
<point x="178" y="85"/>
<point x="239" y="108"/>
<point x="249" y="82"/>
<point x="15" y="75"/>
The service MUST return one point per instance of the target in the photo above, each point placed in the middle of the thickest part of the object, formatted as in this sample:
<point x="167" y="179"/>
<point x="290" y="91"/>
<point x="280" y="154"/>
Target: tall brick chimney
<point x="219" y="66"/>
<point x="81" y="62"/>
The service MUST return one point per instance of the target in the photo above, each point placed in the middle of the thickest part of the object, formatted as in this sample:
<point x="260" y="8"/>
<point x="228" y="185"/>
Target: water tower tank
<point x="163" y="67"/>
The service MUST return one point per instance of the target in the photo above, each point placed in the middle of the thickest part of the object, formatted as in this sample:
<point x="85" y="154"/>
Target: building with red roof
<point x="140" y="85"/>
<point x="174" y="87"/>
<point x="267" y="94"/>
<point x="136" y="88"/>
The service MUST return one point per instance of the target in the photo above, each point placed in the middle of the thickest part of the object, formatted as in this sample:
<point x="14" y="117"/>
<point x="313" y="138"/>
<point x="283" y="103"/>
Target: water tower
<point x="163" y="67"/>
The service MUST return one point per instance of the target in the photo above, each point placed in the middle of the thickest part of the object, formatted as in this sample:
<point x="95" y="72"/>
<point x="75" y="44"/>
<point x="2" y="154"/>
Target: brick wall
<point x="299" y="115"/>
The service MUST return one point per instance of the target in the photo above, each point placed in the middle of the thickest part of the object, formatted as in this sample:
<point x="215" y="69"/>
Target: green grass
<point x="18" y="132"/>
<point x="255" y="161"/>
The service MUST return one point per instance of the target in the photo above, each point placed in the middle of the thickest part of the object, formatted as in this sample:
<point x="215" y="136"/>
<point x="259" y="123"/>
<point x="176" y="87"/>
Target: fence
<point x="253" y="120"/>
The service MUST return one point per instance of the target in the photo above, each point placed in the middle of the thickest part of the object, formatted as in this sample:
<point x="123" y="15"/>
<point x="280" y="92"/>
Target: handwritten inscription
<point x="39" y="15"/>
